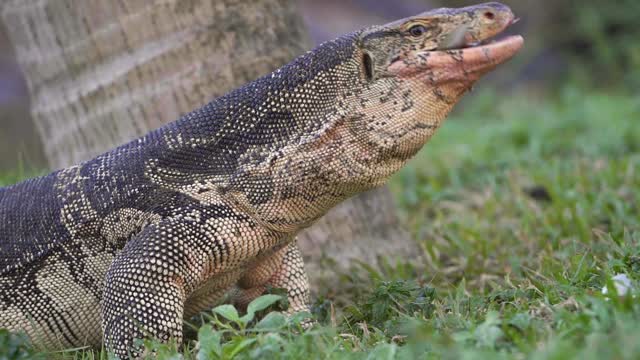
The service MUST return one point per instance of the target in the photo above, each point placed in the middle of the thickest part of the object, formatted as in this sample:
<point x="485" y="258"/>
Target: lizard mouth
<point x="464" y="55"/>
<point x="493" y="41"/>
<point x="461" y="38"/>
<point x="491" y="52"/>
<point x="488" y="42"/>
<point x="464" y="64"/>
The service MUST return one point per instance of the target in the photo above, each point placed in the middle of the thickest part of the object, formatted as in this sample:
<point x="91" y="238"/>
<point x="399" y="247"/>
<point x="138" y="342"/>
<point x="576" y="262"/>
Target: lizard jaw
<point x="464" y="65"/>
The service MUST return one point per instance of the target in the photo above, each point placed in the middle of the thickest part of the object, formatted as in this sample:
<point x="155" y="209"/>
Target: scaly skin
<point x="130" y="243"/>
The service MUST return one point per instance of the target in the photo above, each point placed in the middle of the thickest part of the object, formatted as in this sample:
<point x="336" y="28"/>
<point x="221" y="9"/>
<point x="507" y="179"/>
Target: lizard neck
<point x="242" y="146"/>
<point x="290" y="192"/>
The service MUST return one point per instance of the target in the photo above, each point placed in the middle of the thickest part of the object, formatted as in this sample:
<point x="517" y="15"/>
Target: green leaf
<point x="161" y="350"/>
<point x="15" y="346"/>
<point x="521" y="321"/>
<point x="168" y="354"/>
<point x="300" y="317"/>
<point x="259" y="304"/>
<point x="383" y="352"/>
<point x="270" y="346"/>
<point x="273" y="320"/>
<point x="237" y="345"/>
<point x="489" y="332"/>
<point x="263" y="302"/>
<point x="209" y="343"/>
<point x="228" y="312"/>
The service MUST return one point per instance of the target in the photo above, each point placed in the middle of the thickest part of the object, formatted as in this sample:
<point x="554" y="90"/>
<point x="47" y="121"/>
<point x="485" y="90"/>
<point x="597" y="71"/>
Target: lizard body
<point x="130" y="243"/>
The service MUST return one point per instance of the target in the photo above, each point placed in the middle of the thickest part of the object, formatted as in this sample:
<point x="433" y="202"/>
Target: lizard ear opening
<point x="367" y="65"/>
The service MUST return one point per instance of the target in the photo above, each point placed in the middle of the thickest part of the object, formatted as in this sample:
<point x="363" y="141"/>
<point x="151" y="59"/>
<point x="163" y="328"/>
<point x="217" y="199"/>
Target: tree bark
<point x="101" y="73"/>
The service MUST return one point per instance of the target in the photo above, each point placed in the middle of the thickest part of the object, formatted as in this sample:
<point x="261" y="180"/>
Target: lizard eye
<point x="417" y="30"/>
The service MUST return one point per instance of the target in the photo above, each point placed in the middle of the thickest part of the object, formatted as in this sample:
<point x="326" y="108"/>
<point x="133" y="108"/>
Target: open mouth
<point x="484" y="42"/>
<point x="462" y="38"/>
<point x="507" y="42"/>
<point x="463" y="64"/>
<point x="465" y="54"/>
<point x="479" y="54"/>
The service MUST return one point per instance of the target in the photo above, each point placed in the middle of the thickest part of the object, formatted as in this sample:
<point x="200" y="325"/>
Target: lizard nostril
<point x="489" y="15"/>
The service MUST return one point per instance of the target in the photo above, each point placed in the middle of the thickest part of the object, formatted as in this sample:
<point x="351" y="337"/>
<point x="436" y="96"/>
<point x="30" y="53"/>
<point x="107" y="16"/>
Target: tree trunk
<point x="101" y="73"/>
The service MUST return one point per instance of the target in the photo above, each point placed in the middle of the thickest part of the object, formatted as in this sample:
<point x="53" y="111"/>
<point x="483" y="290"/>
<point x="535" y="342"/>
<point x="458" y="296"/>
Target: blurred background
<point x="589" y="43"/>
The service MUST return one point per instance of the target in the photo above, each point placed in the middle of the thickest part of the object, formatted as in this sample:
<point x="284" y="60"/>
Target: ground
<point x="525" y="207"/>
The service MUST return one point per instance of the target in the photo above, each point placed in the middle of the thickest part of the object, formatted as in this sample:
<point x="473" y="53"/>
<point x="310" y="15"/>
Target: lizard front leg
<point x="148" y="283"/>
<point x="283" y="269"/>
<point x="188" y="259"/>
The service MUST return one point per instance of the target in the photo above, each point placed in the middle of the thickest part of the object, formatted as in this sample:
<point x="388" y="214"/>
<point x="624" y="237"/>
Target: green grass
<point x="524" y="207"/>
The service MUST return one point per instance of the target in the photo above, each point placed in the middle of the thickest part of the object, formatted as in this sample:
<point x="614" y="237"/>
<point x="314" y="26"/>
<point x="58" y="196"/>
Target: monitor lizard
<point x="132" y="242"/>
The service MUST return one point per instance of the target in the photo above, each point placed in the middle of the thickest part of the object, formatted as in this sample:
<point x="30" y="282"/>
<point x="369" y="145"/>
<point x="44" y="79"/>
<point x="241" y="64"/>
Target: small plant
<point x="230" y="335"/>
<point x="15" y="346"/>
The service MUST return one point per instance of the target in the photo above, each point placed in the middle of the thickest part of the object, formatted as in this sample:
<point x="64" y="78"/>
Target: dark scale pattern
<point x="130" y="243"/>
<point x="29" y="224"/>
<point x="260" y="118"/>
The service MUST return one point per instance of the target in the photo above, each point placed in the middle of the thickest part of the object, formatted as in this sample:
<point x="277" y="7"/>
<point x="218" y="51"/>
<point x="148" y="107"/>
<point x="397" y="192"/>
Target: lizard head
<point x="402" y="47"/>
<point x="345" y="116"/>
<point x="416" y="69"/>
